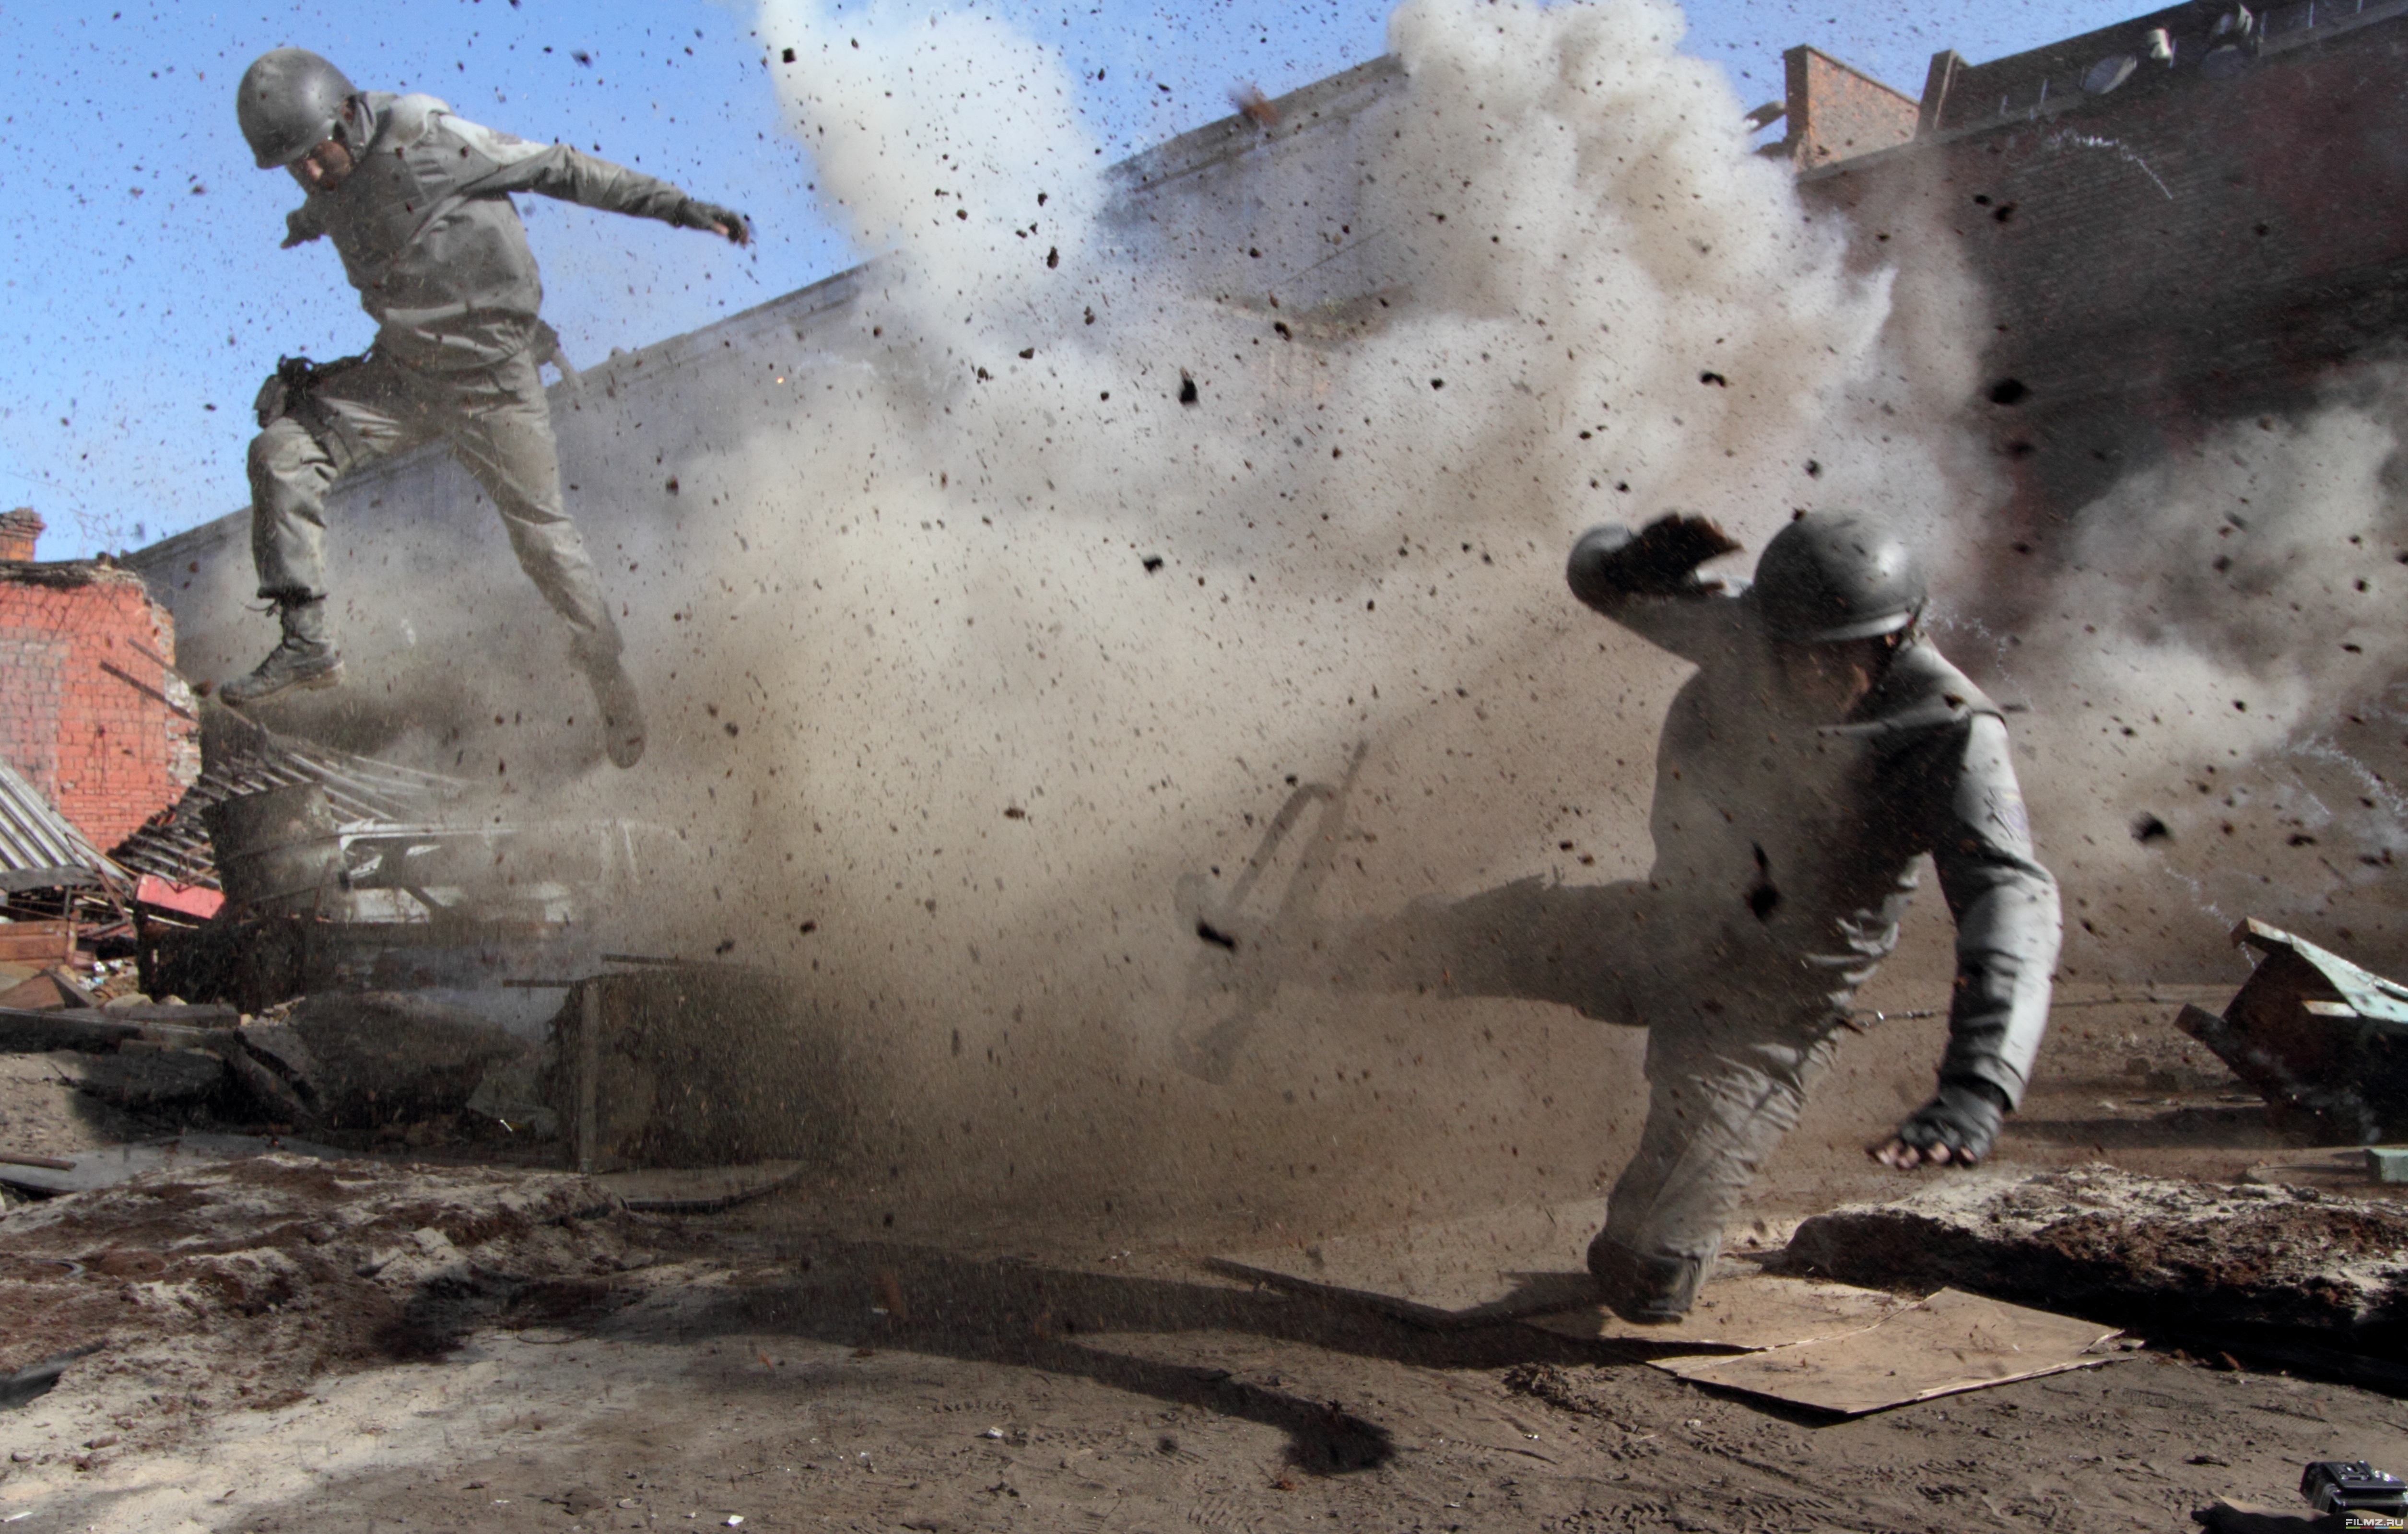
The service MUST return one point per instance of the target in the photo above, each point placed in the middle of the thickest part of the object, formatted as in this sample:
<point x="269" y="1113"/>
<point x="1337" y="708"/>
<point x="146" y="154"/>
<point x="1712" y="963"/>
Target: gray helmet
<point x="288" y="103"/>
<point x="1837" y="575"/>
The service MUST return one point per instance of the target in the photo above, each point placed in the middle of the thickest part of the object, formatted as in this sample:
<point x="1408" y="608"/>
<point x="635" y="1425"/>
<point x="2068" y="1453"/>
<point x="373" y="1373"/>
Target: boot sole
<point x="331" y="677"/>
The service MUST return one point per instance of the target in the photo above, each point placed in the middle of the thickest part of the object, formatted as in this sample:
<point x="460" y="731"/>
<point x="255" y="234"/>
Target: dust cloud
<point x="2212" y="677"/>
<point x="1111" y="515"/>
<point x="1109" y="528"/>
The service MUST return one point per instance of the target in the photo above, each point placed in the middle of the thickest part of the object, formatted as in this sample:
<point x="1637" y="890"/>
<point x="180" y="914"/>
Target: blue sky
<point x="145" y="296"/>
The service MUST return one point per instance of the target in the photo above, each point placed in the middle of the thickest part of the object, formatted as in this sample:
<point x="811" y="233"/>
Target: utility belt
<point x="289" y="389"/>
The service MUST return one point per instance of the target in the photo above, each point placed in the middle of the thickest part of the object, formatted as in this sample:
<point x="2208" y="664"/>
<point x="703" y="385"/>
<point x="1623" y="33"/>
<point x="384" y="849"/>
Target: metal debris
<point x="2322" y="1041"/>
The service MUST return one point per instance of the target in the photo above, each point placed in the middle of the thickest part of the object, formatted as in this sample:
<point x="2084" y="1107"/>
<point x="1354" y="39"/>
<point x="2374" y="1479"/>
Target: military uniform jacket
<point x="429" y="238"/>
<point x="1794" y="841"/>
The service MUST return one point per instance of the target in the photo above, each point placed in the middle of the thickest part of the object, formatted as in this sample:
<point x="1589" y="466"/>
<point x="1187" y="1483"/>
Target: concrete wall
<point x="2193" y="246"/>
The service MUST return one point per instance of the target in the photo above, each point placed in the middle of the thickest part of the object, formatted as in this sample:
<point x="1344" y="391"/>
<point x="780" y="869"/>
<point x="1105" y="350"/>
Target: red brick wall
<point x="90" y="711"/>
<point x="1836" y="113"/>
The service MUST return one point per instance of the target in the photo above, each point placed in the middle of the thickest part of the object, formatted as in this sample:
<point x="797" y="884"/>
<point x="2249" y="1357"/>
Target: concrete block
<point x="2195" y="1258"/>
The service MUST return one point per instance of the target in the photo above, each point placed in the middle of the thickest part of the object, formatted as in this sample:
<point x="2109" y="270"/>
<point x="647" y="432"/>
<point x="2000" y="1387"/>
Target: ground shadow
<point x="2234" y="1128"/>
<point x="992" y="1310"/>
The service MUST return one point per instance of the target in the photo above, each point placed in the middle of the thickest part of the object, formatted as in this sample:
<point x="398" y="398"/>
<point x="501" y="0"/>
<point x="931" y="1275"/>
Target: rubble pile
<point x="372" y="1060"/>
<point x="372" y="1067"/>
<point x="2101" y="1241"/>
<point x="242" y="1279"/>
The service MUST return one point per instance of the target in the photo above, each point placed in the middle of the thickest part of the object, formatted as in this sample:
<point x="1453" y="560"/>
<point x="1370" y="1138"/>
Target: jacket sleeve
<point x="1652" y="591"/>
<point x="2008" y="919"/>
<point x="556" y="170"/>
<point x="302" y="225"/>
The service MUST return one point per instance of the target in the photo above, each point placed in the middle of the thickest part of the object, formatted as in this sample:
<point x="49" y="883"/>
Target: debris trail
<point x="1022" y="574"/>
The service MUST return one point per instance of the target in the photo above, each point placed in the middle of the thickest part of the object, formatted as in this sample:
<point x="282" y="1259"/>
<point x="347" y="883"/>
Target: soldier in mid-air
<point x="417" y="202"/>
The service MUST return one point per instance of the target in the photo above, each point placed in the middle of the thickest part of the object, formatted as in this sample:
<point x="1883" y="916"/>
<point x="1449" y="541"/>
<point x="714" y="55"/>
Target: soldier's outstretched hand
<point x="1897" y="1153"/>
<point x="724" y="222"/>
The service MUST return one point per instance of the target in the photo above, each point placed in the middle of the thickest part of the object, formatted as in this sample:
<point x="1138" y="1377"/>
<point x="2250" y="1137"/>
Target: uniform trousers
<point x="497" y="423"/>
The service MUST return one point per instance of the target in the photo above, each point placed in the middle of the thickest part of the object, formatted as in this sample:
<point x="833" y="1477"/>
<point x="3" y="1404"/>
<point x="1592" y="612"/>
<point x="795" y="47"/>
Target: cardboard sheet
<point x="1950" y="1342"/>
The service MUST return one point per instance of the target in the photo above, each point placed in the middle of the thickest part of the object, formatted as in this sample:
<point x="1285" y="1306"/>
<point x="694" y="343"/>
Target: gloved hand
<point x="1955" y="1128"/>
<point x="696" y="214"/>
<point x="1677" y="544"/>
<point x="269" y="405"/>
<point x="1659" y="560"/>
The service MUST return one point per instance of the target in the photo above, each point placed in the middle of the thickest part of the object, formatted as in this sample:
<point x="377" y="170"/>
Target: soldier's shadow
<point x="1065" y="1322"/>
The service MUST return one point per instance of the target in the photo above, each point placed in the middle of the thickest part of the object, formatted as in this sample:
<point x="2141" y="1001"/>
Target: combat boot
<point x="1644" y="1287"/>
<point x="623" y="711"/>
<point x="305" y="657"/>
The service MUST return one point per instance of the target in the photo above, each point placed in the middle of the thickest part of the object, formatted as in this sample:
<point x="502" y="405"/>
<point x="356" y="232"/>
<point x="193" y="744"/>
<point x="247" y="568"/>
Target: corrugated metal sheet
<point x="244" y="758"/>
<point x="38" y="848"/>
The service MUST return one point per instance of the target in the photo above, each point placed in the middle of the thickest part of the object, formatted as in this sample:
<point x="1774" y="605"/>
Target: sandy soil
<point x="857" y="1358"/>
<point x="773" y="1376"/>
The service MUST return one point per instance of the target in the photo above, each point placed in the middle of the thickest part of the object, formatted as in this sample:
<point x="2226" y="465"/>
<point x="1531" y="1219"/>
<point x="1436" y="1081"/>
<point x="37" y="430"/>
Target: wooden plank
<point x="192" y="1015"/>
<point x="35" y="1032"/>
<point x="1497" y="1266"/>
<point x="1950" y="1342"/>
<point x="45" y="941"/>
<point x="589" y="1073"/>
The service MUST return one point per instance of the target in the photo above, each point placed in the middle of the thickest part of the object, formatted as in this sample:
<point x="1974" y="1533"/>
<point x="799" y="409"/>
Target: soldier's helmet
<point x="1831" y="576"/>
<point x="288" y="104"/>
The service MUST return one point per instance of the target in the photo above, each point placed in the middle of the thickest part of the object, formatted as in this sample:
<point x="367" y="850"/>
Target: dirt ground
<point x="852" y="1357"/>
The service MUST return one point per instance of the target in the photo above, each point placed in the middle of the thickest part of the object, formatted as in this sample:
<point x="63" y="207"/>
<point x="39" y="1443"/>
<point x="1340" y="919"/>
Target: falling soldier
<point x="417" y="202"/>
<point x="1821" y="746"/>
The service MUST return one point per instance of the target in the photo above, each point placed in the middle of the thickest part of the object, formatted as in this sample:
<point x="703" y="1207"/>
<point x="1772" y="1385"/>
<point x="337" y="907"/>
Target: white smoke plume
<point x="2211" y="679"/>
<point x="974" y="621"/>
<point x="1097" y="523"/>
<point x="1014" y="637"/>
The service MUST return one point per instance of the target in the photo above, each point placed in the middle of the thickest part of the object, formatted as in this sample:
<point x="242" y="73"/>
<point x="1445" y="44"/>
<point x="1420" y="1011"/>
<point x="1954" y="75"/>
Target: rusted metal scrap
<point x="2324" y="1041"/>
<point x="685" y="1065"/>
<point x="369" y="1060"/>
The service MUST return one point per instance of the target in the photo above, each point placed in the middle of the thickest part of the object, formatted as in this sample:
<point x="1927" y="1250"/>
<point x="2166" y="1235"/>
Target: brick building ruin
<point x="92" y="712"/>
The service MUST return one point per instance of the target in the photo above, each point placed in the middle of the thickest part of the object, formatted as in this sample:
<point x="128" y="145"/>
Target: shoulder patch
<point x="2003" y="807"/>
